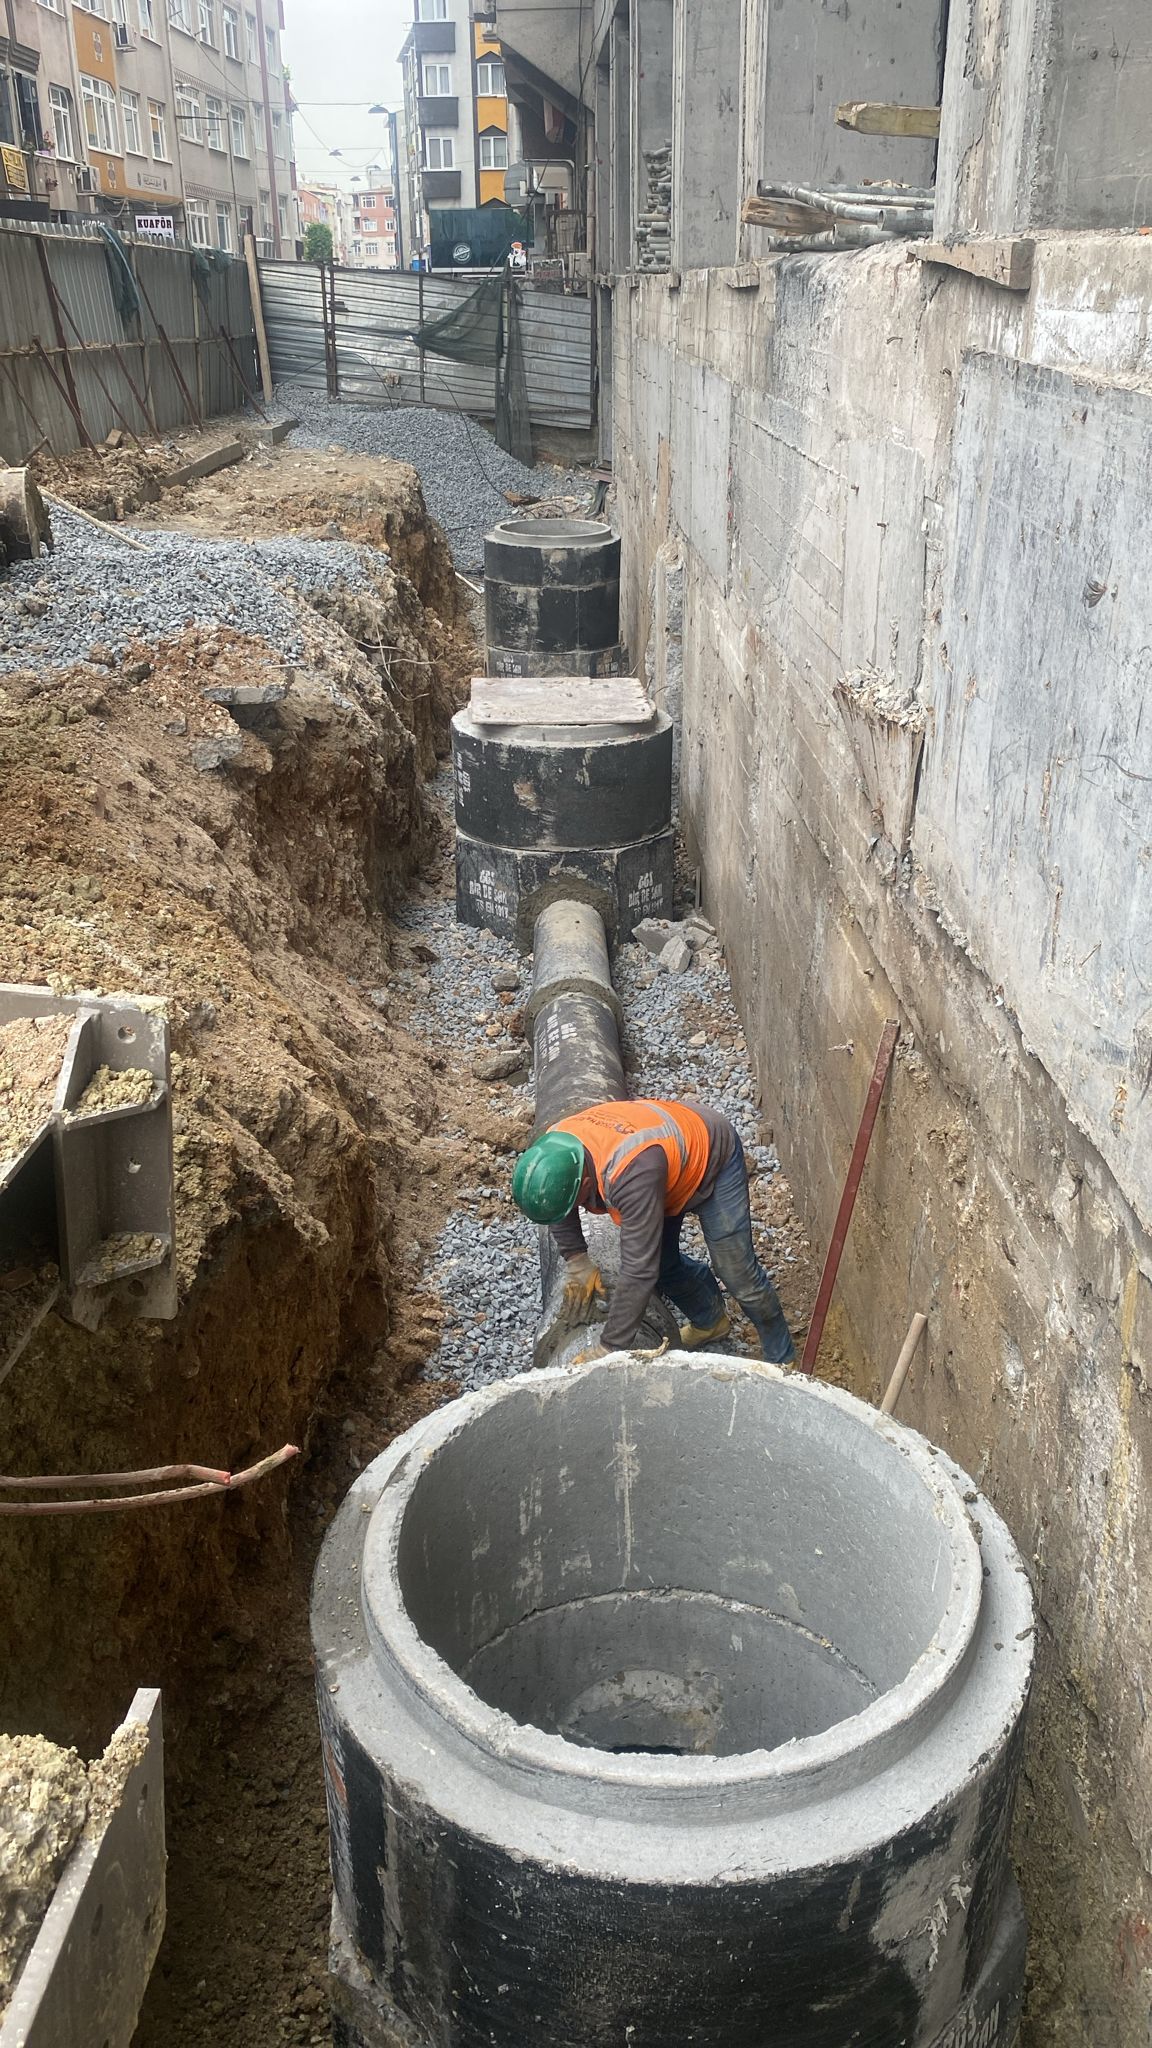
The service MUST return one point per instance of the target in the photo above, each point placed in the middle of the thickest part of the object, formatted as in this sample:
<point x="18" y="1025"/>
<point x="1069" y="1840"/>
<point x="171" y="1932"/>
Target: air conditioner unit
<point x="123" y="36"/>
<point x="87" y="179"/>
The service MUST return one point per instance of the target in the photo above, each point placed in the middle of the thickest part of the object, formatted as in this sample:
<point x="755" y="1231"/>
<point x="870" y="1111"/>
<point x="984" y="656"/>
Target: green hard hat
<point x="547" y="1177"/>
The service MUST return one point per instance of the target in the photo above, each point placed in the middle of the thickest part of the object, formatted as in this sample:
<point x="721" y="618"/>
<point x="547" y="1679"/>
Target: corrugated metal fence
<point x="70" y="365"/>
<point x="377" y="363"/>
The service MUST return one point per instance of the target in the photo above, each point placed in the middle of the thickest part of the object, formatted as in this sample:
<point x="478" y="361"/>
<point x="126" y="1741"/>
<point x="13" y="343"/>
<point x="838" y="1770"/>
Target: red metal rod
<point x="848" y="1198"/>
<point x="224" y="1482"/>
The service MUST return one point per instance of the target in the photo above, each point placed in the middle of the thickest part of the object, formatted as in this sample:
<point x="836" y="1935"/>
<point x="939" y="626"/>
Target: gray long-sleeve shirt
<point x="639" y="1193"/>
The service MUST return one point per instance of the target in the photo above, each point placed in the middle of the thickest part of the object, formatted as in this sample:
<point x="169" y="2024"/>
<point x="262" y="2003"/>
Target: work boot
<point x="693" y="1338"/>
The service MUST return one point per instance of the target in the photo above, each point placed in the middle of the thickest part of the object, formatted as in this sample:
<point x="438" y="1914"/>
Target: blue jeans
<point x="726" y="1220"/>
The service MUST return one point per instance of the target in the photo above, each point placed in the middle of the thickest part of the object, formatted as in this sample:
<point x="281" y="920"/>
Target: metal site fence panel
<point x="73" y="367"/>
<point x="369" y="357"/>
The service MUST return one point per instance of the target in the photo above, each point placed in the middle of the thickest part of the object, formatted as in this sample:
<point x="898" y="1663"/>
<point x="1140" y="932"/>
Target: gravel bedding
<point x="95" y="592"/>
<point x="463" y="473"/>
<point x="485" y="1269"/>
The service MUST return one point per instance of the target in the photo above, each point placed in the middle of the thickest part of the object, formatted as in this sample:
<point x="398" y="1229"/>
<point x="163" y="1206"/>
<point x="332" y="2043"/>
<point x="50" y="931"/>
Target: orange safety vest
<point x="614" y="1132"/>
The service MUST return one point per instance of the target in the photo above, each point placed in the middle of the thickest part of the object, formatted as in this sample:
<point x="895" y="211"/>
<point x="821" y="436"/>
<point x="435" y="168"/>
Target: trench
<point x="345" y="1174"/>
<point x="245" y="1955"/>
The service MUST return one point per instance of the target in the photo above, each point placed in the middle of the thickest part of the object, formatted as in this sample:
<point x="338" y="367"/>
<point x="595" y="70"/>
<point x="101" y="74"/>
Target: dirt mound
<point x="238" y="859"/>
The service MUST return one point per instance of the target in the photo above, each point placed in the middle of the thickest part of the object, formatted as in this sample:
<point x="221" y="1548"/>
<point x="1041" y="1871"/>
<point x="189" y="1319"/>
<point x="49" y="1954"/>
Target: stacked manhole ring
<point x="552" y="598"/>
<point x="671" y="1701"/>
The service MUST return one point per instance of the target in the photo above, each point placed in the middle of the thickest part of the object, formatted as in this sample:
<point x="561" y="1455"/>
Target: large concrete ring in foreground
<point x="671" y="1702"/>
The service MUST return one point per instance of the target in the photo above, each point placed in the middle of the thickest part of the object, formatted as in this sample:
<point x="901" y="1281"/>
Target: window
<point x="197" y="224"/>
<point x="207" y="19"/>
<point x="187" y="114"/>
<point x="178" y="15"/>
<point x="7" y="125"/>
<point x="100" y="123"/>
<point x="431" y="10"/>
<point x="371" y="248"/>
<point x="223" y="225"/>
<point x="369" y="202"/>
<point x="238" y="117"/>
<point x="270" y="46"/>
<point x="357" y="248"/>
<point x="147" y="20"/>
<point x="437" y="80"/>
<point x="278" y="135"/>
<point x="439" y="153"/>
<point x="282" y="210"/>
<point x="231" y="33"/>
<point x="28" y="111"/>
<point x="130" y="109"/>
<point x="250" y="33"/>
<point x="493" y="152"/>
<point x="54" y="6"/>
<point x="156" y="126"/>
<point x="63" y="124"/>
<point x="214" y="122"/>
<point x="490" y="79"/>
<point x="95" y="7"/>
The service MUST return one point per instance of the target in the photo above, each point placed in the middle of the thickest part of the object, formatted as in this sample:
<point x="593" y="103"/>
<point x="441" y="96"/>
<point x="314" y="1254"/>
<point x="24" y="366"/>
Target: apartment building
<point x="455" y="151"/>
<point x="373" y="244"/>
<point x="232" y="122"/>
<point x="168" y="117"/>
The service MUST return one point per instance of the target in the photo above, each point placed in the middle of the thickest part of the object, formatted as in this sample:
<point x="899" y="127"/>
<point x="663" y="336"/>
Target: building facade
<point x="166" y="117"/>
<point x="455" y="149"/>
<point x="373" y="244"/>
<point x="326" y="206"/>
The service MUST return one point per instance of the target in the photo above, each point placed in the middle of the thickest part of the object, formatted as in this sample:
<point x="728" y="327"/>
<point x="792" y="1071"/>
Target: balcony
<point x="434" y="38"/>
<point x="438" y="186"/>
<point x="442" y="112"/>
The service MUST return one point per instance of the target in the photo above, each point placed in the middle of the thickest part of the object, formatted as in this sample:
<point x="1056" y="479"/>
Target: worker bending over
<point x="647" y="1164"/>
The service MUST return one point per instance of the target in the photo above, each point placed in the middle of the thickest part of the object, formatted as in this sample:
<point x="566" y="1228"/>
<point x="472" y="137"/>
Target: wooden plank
<point x="84" y="1979"/>
<point x="881" y="117"/>
<point x="560" y="700"/>
<point x="258" y="316"/>
<point x="1007" y="262"/>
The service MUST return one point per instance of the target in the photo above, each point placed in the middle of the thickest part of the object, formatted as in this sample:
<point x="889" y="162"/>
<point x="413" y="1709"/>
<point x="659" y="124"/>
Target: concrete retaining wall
<point x="892" y="476"/>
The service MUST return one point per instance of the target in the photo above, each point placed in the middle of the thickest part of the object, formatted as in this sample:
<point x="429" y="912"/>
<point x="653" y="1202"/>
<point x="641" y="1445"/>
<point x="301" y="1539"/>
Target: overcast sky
<point x="342" y="56"/>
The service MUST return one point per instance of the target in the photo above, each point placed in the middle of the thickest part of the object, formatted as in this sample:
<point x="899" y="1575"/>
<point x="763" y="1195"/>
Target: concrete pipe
<point x="550" y="811"/>
<point x="675" y="1701"/>
<point x="551" y="586"/>
<point x="576" y="1017"/>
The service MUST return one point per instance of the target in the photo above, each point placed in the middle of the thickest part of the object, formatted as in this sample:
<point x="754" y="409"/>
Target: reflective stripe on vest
<point x="661" y="1127"/>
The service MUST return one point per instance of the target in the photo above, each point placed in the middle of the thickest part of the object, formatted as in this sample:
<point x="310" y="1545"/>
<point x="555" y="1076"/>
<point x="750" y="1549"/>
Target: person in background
<point x="648" y="1165"/>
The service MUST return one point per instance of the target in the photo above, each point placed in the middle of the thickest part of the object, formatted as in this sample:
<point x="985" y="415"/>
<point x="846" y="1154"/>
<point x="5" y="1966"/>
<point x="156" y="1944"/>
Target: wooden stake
<point x="101" y="525"/>
<point x="251" y="260"/>
<point x="900" y="1370"/>
<point x="880" y="117"/>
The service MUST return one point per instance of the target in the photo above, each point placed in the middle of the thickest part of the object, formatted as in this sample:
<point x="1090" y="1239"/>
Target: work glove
<point x="587" y="1357"/>
<point x="584" y="1300"/>
<point x="595" y="1351"/>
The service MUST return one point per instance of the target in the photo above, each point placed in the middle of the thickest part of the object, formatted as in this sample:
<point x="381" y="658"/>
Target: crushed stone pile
<point x="462" y="472"/>
<point x="682" y="1039"/>
<point x="94" y="597"/>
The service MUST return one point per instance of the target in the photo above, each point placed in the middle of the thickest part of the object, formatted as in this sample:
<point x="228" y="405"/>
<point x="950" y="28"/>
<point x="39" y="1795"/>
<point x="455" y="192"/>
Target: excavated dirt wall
<point x="244" y="872"/>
